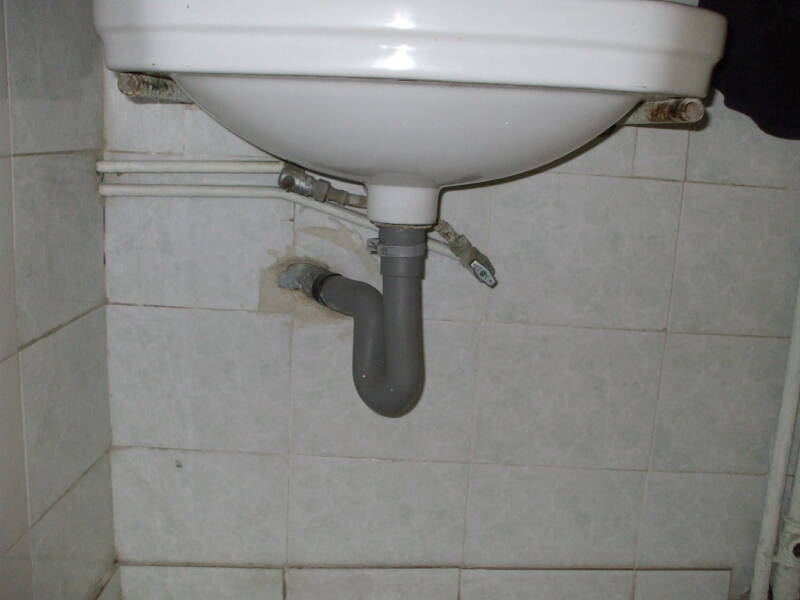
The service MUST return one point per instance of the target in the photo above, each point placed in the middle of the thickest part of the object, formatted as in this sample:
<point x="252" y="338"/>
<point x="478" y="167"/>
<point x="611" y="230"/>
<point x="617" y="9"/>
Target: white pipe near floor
<point x="157" y="190"/>
<point x="776" y="480"/>
<point x="189" y="166"/>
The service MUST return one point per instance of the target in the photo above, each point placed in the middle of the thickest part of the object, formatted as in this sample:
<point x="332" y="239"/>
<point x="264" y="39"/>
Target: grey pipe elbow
<point x="388" y="363"/>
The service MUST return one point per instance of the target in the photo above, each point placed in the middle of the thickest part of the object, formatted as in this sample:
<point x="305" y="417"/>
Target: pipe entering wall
<point x="388" y="364"/>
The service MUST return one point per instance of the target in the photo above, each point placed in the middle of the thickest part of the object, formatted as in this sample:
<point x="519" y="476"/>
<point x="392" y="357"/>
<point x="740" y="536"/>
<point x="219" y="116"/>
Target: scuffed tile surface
<point x="375" y="512"/>
<point x="72" y="546"/>
<point x="719" y="403"/>
<point x="737" y="261"/>
<point x="519" y="516"/>
<point x="702" y="519"/>
<point x="732" y="149"/>
<point x="65" y="400"/>
<point x="113" y="589"/>
<point x="555" y="396"/>
<point x="55" y="75"/>
<point x="546" y="585"/>
<point x="199" y="379"/>
<point x="208" y="507"/>
<point x="330" y="418"/>
<point x="8" y="302"/>
<point x="201" y="583"/>
<point x="202" y="252"/>
<point x="579" y="250"/>
<point x="682" y="585"/>
<point x="15" y="572"/>
<point x="58" y="222"/>
<point x="660" y="152"/>
<point x="13" y="494"/>
<point x="372" y="584"/>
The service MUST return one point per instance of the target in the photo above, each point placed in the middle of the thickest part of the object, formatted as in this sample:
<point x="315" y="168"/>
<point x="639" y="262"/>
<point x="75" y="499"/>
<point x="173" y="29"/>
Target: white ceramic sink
<point x="409" y="96"/>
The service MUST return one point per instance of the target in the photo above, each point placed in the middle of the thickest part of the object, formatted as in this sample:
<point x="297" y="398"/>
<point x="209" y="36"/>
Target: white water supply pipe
<point x="190" y="166"/>
<point x="776" y="481"/>
<point x="155" y="190"/>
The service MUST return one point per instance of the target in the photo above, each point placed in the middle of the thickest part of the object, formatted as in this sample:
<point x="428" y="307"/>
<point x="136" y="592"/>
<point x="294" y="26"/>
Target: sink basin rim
<point x="642" y="46"/>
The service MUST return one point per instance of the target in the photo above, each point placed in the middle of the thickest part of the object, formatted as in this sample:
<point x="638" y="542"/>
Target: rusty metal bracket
<point x="151" y="89"/>
<point x="674" y="111"/>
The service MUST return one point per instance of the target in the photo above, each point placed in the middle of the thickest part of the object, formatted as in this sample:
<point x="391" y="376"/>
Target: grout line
<point x="73" y="151"/>
<point x="635" y="151"/>
<point x="472" y="440"/>
<point x="435" y="461"/>
<point x="411" y="567"/>
<point x="58" y="328"/>
<point x="664" y="180"/>
<point x="105" y="580"/>
<point x="9" y="356"/>
<point x="480" y="321"/>
<point x="72" y="486"/>
<point x="686" y="155"/>
<point x="662" y="362"/>
<point x="290" y="441"/>
<point x="646" y="484"/>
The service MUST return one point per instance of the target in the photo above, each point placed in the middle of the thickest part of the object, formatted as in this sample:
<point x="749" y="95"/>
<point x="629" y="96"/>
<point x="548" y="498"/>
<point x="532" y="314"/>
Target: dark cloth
<point x="759" y="74"/>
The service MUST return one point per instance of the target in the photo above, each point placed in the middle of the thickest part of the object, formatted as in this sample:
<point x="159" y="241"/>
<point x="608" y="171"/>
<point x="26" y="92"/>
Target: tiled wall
<point x="609" y="406"/>
<point x="56" y="531"/>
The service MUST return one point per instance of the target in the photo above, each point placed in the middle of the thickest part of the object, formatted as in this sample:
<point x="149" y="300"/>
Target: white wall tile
<point x="200" y="507"/>
<point x="707" y="520"/>
<point x="55" y="75"/>
<point x="199" y="379"/>
<point x="538" y="517"/>
<point x="58" y="222"/>
<point x="579" y="250"/>
<point x="737" y="261"/>
<point x="330" y="418"/>
<point x="719" y="403"/>
<point x="374" y="512"/>
<point x="682" y="585"/>
<point x="8" y="303"/>
<point x="72" y="546"/>
<point x="113" y="589"/>
<point x="372" y="584"/>
<point x="202" y="252"/>
<point x="137" y="127"/>
<point x="15" y="572"/>
<point x="65" y="401"/>
<point x="660" y="152"/>
<point x="201" y="583"/>
<point x="13" y="487"/>
<point x="5" y="120"/>
<point x="204" y="136"/>
<point x="556" y="396"/>
<point x="450" y="291"/>
<point x="607" y="155"/>
<point x="546" y="585"/>
<point x="166" y="128"/>
<point x="342" y="247"/>
<point x="732" y="149"/>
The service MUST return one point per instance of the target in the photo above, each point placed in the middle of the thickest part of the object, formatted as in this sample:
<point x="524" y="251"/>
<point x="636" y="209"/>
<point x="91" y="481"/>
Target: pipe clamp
<point x="384" y="251"/>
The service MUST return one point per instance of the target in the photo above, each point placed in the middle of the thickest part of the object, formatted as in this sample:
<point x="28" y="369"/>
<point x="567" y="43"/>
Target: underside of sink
<point x="414" y="136"/>
<point x="409" y="96"/>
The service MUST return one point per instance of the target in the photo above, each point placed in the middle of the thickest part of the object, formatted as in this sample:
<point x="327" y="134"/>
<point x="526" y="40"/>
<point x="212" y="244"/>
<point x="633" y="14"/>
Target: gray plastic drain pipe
<point x="388" y="364"/>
